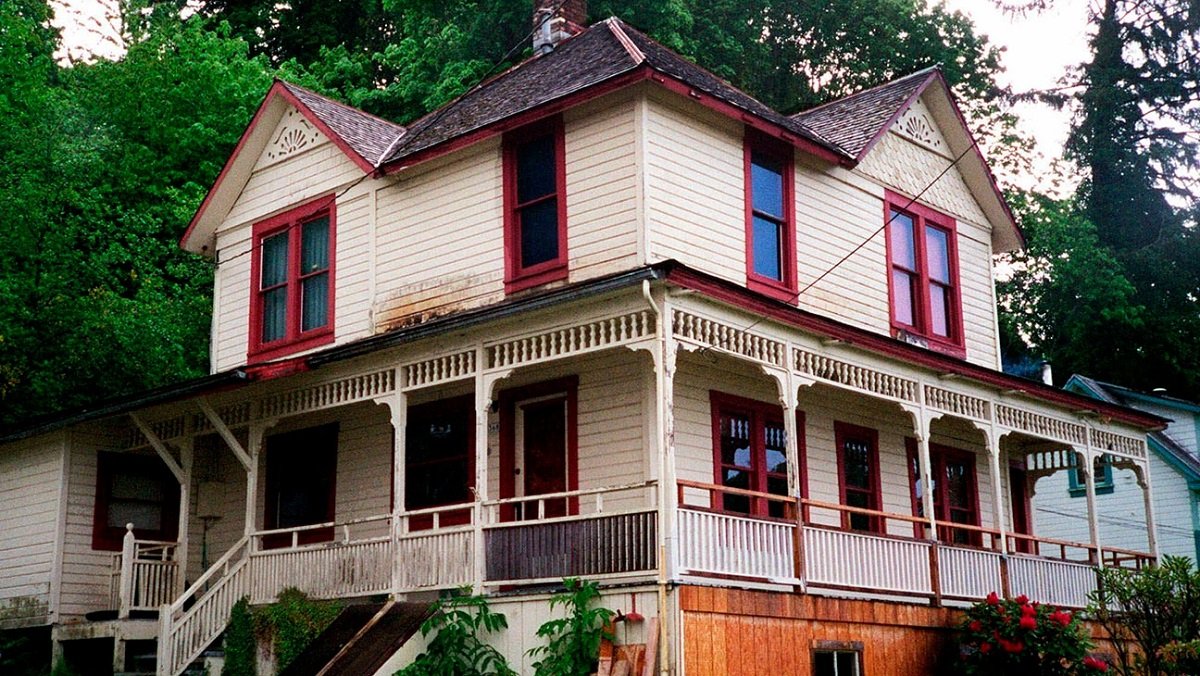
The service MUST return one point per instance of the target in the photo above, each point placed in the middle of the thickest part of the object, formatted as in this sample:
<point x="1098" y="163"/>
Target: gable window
<point x="858" y="471"/>
<point x="135" y="489"/>
<point x="750" y="453"/>
<point x="535" y="205"/>
<point x="292" y="269"/>
<point x="955" y="492"/>
<point x="923" y="281"/>
<point x="770" y="217"/>
<point x="301" y="471"/>
<point x="1104" y="477"/>
<point x="837" y="658"/>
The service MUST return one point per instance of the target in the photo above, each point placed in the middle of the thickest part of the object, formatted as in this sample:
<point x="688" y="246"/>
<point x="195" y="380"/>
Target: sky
<point x="1038" y="48"/>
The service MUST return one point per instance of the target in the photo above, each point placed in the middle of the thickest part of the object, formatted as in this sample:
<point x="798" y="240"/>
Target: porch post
<point x="186" y="448"/>
<point x="484" y="385"/>
<point x="788" y="395"/>
<point x="1001" y="516"/>
<point x="257" y="431"/>
<point x="1084" y="457"/>
<point x="398" y="412"/>
<point x="1143" y="478"/>
<point x="925" y="464"/>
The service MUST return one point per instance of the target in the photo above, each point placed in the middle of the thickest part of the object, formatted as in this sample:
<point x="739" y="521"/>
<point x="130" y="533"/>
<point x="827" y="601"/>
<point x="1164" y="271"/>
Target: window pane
<point x="847" y="664"/>
<point x="768" y="249"/>
<point x="776" y="448"/>
<point x="735" y="441"/>
<point x="535" y="169"/>
<point x="937" y="254"/>
<point x="314" y="246"/>
<point x="539" y="233"/>
<point x="902" y="298"/>
<point x="939" y="311"/>
<point x="274" y="260"/>
<point x="856" y="456"/>
<point x="918" y="487"/>
<point x="958" y="485"/>
<point x="314" y="299"/>
<point x="143" y="515"/>
<point x="900" y="234"/>
<point x="766" y="185"/>
<point x="823" y="665"/>
<point x="274" y="314"/>
<point x="136" y="486"/>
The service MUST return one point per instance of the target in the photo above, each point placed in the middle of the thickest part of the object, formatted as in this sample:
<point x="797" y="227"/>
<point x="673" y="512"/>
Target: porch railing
<point x="326" y="560"/>
<point x="144" y="574"/>
<point x="610" y="531"/>
<point x="881" y="558"/>
<point x="435" y="548"/>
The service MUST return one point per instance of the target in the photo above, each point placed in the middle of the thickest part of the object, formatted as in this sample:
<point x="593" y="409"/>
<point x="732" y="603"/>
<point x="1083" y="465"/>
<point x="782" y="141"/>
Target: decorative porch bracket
<point x="160" y="448"/>
<point x="224" y="432"/>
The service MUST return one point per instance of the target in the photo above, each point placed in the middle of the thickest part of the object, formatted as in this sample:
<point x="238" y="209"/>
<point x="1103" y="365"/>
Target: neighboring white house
<point x="1174" y="471"/>
<point x="590" y="319"/>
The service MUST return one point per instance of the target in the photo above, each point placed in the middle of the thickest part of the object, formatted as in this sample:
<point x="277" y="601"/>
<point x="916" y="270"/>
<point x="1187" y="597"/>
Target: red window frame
<point x="938" y="455"/>
<point x="464" y="408"/>
<point x="784" y="289"/>
<point x="291" y="221"/>
<point x="108" y="466"/>
<point x="842" y="433"/>
<point x="517" y="276"/>
<point x="923" y="218"/>
<point x="760" y="415"/>
<point x="568" y="387"/>
<point x="315" y="447"/>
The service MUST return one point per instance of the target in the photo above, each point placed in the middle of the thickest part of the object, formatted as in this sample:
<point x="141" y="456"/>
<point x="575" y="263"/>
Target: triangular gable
<point x="288" y="120"/>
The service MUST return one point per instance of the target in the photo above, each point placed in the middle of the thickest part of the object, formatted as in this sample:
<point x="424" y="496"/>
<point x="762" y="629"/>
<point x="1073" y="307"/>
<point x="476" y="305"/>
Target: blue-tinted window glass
<point x="937" y="254"/>
<point x="314" y="302"/>
<point x="766" y="185"/>
<point x="767" y="249"/>
<point x="902" y="297"/>
<point x="274" y="314"/>
<point x="274" y="260"/>
<point x="314" y="246"/>
<point x="900" y="233"/>
<point x="539" y="233"/>
<point x="535" y="169"/>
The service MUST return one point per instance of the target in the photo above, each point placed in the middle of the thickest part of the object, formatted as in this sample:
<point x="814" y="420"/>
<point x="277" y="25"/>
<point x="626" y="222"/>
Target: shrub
<point x="1014" y="636"/>
<point x="1180" y="657"/>
<point x="1146" y="610"/>
<point x="573" y="642"/>
<point x="456" y="649"/>
<point x="292" y="622"/>
<point x="240" y="647"/>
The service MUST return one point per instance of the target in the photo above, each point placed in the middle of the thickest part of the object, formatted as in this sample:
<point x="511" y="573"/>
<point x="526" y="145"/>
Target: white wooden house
<point x="590" y="319"/>
<point x="1174" y="466"/>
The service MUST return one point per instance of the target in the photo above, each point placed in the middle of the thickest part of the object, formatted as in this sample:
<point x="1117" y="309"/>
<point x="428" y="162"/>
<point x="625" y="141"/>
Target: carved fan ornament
<point x="917" y="127"/>
<point x="294" y="135"/>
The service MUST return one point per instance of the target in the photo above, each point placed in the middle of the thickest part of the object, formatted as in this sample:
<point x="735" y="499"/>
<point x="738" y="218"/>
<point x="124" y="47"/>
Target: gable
<point x="293" y="135"/>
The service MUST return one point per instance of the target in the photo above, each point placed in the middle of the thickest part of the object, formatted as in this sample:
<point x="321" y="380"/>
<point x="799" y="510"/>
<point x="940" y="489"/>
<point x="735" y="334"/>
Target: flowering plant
<point x="1011" y="636"/>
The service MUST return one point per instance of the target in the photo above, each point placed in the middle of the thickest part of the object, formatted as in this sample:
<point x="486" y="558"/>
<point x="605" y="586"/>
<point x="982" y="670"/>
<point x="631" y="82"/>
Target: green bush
<point x="1014" y="636"/>
<point x="573" y="642"/>
<point x="456" y="649"/>
<point x="241" y="657"/>
<point x="292" y="622"/>
<point x="1181" y="657"/>
<point x="1146" y="610"/>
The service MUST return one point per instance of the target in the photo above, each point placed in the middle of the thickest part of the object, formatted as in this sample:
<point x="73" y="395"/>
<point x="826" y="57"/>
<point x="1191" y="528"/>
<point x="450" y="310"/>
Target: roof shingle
<point x="367" y="135"/>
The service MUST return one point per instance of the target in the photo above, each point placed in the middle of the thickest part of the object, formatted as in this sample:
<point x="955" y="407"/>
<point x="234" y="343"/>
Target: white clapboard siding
<point x="30" y="484"/>
<point x="611" y="425"/>
<point x="695" y="200"/>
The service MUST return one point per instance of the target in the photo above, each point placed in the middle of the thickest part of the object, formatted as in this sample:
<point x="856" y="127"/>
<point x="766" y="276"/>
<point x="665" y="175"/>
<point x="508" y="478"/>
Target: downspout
<point x="660" y="429"/>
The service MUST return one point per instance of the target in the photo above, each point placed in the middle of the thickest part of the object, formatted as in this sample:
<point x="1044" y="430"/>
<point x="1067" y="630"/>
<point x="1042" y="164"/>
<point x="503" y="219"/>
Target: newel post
<point x="128" y="550"/>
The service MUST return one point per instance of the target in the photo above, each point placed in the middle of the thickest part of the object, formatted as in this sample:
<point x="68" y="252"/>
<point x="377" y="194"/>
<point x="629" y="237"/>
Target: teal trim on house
<point x="1104" y="482"/>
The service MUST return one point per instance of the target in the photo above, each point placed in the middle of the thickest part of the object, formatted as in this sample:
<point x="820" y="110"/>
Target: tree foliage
<point x="1149" y="610"/>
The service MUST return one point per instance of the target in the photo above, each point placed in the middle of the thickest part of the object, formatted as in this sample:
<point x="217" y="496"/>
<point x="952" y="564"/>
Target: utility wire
<point x="407" y="138"/>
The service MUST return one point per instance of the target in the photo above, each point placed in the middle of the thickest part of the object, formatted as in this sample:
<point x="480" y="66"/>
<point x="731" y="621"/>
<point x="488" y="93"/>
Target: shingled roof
<point x="600" y="53"/>
<point x="367" y="135"/>
<point x="852" y="123"/>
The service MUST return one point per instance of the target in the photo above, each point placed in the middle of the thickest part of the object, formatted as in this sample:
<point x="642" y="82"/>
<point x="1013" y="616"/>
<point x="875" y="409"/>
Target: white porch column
<point x="925" y="466"/>
<point x="397" y="405"/>
<point x="186" y="456"/>
<point x="1000" y="515"/>
<point x="484" y="396"/>
<point x="1087" y="464"/>
<point x="1143" y="478"/>
<point x="254" y="445"/>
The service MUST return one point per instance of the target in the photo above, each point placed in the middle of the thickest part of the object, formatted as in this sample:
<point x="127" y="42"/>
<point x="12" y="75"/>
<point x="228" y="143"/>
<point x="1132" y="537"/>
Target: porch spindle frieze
<point x="581" y="338"/>
<point x="349" y="390"/>
<point x="1117" y="444"/>
<point x="957" y="403"/>
<point x="438" y="370"/>
<point x="692" y="328"/>
<point x="853" y="376"/>
<point x="1041" y="425"/>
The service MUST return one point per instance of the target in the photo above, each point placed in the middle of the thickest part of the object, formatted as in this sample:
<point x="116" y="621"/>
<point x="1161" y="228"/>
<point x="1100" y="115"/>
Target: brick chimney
<point x="569" y="19"/>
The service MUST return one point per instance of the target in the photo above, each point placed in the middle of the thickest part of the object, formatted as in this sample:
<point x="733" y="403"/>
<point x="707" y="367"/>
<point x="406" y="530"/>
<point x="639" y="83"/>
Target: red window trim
<point x="516" y="277"/>
<point x="508" y="399"/>
<point x="106" y="538"/>
<point x="294" y="340"/>
<point x="785" y="289"/>
<point x="760" y="413"/>
<point x="937" y="457"/>
<point x="841" y="432"/>
<point x="954" y="345"/>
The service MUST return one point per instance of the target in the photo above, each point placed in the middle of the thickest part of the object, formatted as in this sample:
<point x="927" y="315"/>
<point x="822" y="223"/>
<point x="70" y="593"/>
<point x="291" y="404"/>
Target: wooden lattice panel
<point x="956" y="403"/>
<point x="1118" y="444"/>
<point x="712" y="333"/>
<point x="439" y="370"/>
<point x="858" y="377"/>
<point x="586" y="337"/>
<point x="1040" y="425"/>
<point x="327" y="395"/>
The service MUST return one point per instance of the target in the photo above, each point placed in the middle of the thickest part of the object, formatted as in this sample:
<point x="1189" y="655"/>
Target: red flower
<point x="993" y="599"/>
<point x="1028" y="611"/>
<point x="1095" y="663"/>
<point x="975" y="625"/>
<point x="1028" y="622"/>
<point x="1062" y="617"/>
<point x="1012" y="646"/>
<point x="985" y="648"/>
<point x="1022" y="600"/>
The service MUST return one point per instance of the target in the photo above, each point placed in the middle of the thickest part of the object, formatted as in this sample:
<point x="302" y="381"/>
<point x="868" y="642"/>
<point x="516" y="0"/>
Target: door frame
<point x="508" y="400"/>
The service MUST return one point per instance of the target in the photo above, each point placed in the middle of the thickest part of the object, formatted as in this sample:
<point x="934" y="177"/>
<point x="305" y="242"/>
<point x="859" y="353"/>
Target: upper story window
<point x="292" y="307"/>
<point x="770" y="217"/>
<point x="750" y="449"/>
<point x="535" y="205"/>
<point x="135" y="489"/>
<point x="923" y="282"/>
